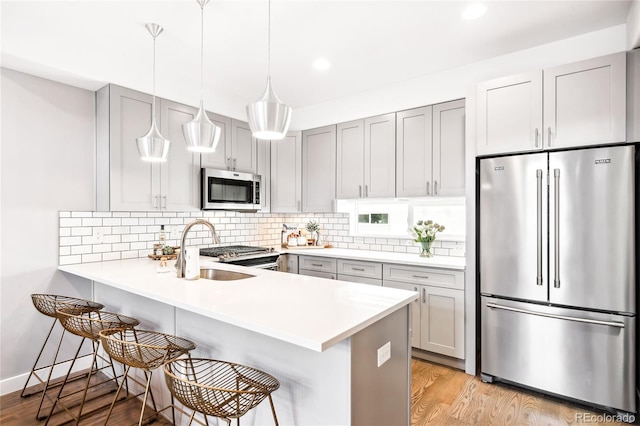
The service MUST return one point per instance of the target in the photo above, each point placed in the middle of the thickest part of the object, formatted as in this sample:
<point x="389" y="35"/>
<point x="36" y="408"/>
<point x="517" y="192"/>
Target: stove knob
<point x="271" y="249"/>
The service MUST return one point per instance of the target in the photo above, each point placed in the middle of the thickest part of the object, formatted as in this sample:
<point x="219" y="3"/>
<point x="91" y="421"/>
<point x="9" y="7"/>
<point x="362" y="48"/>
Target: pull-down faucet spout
<point x="181" y="263"/>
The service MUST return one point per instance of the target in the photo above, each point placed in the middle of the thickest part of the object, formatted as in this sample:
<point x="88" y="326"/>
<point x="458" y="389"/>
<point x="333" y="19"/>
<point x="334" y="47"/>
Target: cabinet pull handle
<point x="164" y="202"/>
<point x="549" y="136"/>
<point x="156" y="202"/>
<point x="428" y="188"/>
<point x="358" y="269"/>
<point x="420" y="276"/>
<point x="435" y="187"/>
<point x="424" y="295"/>
<point x="235" y="162"/>
<point x="298" y="204"/>
<point x="228" y="163"/>
<point x="537" y="135"/>
<point x="317" y="264"/>
<point x="366" y="191"/>
<point x="417" y="291"/>
<point x="360" y="191"/>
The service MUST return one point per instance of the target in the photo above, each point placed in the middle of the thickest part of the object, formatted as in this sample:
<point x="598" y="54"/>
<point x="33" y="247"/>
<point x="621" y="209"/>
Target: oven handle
<point x="272" y="265"/>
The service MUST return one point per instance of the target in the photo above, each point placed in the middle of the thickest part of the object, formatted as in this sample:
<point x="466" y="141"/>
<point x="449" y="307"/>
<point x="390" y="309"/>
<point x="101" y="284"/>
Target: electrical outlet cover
<point x="384" y="353"/>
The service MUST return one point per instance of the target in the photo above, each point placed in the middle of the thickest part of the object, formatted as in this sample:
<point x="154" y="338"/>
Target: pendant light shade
<point x="153" y="146"/>
<point x="200" y="134"/>
<point x="268" y="117"/>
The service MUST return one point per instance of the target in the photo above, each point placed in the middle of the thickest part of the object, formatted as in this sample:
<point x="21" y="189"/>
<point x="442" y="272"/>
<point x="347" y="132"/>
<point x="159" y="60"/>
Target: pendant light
<point x="153" y="146"/>
<point x="200" y="134"/>
<point x="268" y="117"/>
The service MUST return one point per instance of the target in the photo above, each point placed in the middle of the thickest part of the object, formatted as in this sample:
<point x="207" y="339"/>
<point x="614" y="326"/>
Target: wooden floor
<point x="439" y="396"/>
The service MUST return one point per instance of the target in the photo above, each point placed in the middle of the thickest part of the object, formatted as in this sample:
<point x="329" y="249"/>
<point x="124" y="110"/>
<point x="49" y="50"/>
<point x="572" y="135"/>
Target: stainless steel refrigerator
<point x="557" y="265"/>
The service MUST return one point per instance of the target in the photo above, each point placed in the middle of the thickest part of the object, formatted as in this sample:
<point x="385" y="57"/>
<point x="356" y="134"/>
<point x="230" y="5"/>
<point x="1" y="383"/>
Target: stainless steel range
<point x="254" y="257"/>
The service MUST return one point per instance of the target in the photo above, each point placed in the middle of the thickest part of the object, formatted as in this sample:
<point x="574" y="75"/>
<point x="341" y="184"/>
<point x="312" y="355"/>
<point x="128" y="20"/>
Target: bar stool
<point x="146" y="350"/>
<point x="47" y="304"/>
<point x="219" y="388"/>
<point x="88" y="326"/>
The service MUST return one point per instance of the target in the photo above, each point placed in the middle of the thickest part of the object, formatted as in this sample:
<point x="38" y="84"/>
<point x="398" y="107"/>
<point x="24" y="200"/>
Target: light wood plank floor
<point x="439" y="396"/>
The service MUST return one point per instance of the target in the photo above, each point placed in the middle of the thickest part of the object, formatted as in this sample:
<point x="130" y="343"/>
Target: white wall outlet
<point x="384" y="353"/>
<point x="174" y="232"/>
<point x="98" y="234"/>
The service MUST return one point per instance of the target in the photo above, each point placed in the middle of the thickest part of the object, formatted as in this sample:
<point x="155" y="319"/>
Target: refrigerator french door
<point x="558" y="273"/>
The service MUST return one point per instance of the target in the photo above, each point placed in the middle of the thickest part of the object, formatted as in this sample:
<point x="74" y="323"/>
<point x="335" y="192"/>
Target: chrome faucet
<point x="181" y="263"/>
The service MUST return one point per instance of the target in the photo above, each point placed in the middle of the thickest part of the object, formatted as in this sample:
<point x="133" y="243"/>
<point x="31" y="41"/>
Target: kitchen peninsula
<point x="322" y="339"/>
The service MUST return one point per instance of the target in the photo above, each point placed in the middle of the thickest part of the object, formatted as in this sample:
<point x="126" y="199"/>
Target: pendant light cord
<point x="202" y="52"/>
<point x="153" y="105"/>
<point x="269" y="45"/>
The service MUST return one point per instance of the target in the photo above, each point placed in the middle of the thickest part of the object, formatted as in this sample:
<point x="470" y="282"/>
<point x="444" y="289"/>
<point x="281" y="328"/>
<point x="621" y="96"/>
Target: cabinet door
<point x="415" y="309"/>
<point x="359" y="280"/>
<point x="243" y="148"/>
<point x="509" y="114"/>
<point x="264" y="170"/>
<point x="442" y="321"/>
<point x="448" y="148"/>
<point x="218" y="159"/>
<point x="585" y="102"/>
<point x="133" y="184"/>
<point x="179" y="176"/>
<point x="286" y="173"/>
<point x="319" y="169"/>
<point x="350" y="159"/>
<point x="414" y="153"/>
<point x="380" y="156"/>
<point x="316" y="263"/>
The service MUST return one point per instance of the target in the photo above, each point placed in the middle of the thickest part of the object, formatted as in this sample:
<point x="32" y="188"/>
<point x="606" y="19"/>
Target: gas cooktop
<point x="230" y="252"/>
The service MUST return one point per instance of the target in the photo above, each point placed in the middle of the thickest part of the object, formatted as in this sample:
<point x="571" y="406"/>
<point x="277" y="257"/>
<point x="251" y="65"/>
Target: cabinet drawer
<point x="424" y="276"/>
<point x="319" y="274"/>
<point x="360" y="269"/>
<point x="314" y="263"/>
<point x="361" y="280"/>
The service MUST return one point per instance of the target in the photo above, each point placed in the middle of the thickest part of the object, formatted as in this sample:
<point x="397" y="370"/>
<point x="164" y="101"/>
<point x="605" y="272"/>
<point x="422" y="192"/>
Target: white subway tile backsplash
<point x="132" y="234"/>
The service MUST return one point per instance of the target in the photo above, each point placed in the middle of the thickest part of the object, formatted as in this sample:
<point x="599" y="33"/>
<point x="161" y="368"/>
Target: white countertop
<point x="448" y="262"/>
<point x="311" y="312"/>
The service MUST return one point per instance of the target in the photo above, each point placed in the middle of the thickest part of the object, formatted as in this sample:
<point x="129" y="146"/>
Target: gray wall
<point x="47" y="164"/>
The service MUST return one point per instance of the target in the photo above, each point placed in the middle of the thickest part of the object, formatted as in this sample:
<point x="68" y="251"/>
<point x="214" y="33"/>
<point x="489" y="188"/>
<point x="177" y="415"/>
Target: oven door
<point x="227" y="190"/>
<point x="269" y="261"/>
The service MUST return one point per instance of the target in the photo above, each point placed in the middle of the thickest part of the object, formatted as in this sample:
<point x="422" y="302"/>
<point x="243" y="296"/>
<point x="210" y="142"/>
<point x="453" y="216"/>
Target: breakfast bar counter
<point x="326" y="341"/>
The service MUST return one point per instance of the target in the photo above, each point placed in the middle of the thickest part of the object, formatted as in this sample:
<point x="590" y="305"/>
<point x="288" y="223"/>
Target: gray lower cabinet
<point x="358" y="271"/>
<point x="438" y="314"/>
<point x="316" y="266"/>
<point x="288" y="263"/>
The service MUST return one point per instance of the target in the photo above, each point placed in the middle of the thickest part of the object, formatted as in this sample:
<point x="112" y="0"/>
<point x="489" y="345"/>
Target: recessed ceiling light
<point x="474" y="11"/>
<point x="321" y="64"/>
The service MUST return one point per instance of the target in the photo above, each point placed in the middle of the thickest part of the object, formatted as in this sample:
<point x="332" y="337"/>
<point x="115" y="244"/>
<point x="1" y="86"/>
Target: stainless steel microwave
<point x="229" y="190"/>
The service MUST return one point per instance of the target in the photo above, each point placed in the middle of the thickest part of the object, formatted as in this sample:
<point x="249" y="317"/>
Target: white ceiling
<point x="370" y="44"/>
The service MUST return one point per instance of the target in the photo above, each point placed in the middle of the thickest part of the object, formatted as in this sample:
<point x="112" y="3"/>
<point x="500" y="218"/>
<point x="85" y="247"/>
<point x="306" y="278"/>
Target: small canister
<point x="157" y="249"/>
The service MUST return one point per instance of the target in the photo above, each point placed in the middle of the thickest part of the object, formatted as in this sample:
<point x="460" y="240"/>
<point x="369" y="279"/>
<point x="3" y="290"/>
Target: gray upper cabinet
<point x="510" y="114"/>
<point x="380" y="156"/>
<point x="237" y="148"/>
<point x="350" y="159"/>
<point x="286" y="174"/>
<point x="264" y="170"/>
<point x="585" y="102"/>
<point x="578" y="104"/>
<point x="179" y="176"/>
<point x="218" y="159"/>
<point x="414" y="170"/>
<point x="448" y="148"/>
<point x="319" y="169"/>
<point x="126" y="183"/>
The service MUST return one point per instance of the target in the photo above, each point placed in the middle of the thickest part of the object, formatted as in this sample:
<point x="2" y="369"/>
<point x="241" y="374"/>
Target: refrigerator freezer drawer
<point x="581" y="355"/>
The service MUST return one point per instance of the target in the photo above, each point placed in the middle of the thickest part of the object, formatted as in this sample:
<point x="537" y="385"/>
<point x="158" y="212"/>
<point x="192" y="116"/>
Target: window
<point x="394" y="218"/>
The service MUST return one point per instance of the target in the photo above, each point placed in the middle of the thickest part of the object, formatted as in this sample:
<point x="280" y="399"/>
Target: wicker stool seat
<point x="219" y="388"/>
<point x="146" y="350"/>
<point x="88" y="325"/>
<point x="48" y="304"/>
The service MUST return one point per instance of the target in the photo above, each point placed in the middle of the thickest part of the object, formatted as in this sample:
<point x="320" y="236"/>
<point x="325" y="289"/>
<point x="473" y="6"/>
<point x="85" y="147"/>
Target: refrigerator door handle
<point x="556" y="228"/>
<point x="539" y="227"/>
<point x="561" y="317"/>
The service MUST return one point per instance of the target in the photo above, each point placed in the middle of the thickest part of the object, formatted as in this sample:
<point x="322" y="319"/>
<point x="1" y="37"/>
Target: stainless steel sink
<point x="220" y="275"/>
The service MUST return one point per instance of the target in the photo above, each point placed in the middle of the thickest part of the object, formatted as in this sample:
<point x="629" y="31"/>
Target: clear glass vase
<point x="425" y="250"/>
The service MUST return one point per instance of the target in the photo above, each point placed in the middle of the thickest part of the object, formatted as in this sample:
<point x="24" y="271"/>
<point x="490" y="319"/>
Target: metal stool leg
<point x="55" y="402"/>
<point x="273" y="410"/>
<point x="46" y="386"/>
<point x="115" y="398"/>
<point x="33" y="369"/>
